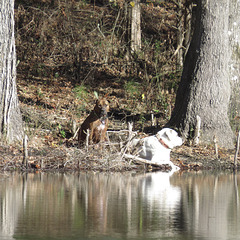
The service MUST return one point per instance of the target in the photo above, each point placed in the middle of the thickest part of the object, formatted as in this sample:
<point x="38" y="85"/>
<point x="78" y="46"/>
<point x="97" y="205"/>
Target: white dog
<point x="157" y="148"/>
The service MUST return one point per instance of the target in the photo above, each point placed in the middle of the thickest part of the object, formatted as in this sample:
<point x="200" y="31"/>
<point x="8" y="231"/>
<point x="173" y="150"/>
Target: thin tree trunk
<point x="184" y="29"/>
<point x="136" y="26"/>
<point x="11" y="128"/>
<point x="204" y="89"/>
<point x="180" y="32"/>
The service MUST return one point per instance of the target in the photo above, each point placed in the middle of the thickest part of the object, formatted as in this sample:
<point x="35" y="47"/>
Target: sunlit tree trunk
<point x="11" y="127"/>
<point x="135" y="26"/>
<point x="204" y="89"/>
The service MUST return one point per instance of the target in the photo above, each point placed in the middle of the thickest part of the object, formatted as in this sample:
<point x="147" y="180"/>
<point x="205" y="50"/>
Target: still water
<point x="156" y="205"/>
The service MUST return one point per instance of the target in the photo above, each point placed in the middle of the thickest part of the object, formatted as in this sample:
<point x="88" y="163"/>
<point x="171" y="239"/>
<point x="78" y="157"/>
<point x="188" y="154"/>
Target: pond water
<point x="157" y="205"/>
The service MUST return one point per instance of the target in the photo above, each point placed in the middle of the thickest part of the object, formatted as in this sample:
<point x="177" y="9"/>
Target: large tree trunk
<point x="11" y="127"/>
<point x="234" y="66"/>
<point x="204" y="89"/>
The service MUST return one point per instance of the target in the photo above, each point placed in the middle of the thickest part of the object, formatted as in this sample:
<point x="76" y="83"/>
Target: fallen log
<point x="153" y="164"/>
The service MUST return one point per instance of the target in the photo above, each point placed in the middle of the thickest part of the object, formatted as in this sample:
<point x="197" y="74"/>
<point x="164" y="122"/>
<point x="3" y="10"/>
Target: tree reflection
<point x="120" y="205"/>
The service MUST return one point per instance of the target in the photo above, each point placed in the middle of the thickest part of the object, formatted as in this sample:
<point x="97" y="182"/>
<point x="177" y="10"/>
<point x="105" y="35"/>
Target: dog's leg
<point x="81" y="137"/>
<point x="91" y="131"/>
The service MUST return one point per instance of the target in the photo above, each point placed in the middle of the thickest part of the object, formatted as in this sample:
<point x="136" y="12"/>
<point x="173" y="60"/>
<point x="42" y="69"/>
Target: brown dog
<point x="96" y="122"/>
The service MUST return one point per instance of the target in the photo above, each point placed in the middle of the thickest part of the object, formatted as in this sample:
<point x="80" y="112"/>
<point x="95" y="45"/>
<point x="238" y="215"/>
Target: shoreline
<point x="71" y="159"/>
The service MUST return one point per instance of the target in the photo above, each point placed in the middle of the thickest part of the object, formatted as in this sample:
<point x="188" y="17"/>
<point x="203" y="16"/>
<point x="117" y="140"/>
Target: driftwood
<point x="143" y="161"/>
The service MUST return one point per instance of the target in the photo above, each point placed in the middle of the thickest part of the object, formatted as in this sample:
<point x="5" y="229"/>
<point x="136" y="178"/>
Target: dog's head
<point x="102" y="107"/>
<point x="170" y="137"/>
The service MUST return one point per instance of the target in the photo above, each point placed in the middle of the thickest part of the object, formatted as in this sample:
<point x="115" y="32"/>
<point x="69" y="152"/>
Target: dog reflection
<point x="159" y="193"/>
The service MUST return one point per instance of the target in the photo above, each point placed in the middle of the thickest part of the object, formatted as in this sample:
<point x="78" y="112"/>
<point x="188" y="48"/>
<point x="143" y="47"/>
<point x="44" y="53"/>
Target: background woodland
<point x="66" y="50"/>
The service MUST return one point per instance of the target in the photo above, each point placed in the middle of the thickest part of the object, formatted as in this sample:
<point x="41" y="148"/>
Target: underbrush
<point x="87" y="45"/>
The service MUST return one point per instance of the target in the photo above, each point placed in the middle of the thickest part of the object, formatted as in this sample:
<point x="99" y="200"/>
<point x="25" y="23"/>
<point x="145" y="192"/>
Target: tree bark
<point x="11" y="127"/>
<point x="234" y="66"/>
<point x="204" y="89"/>
<point x="136" y="26"/>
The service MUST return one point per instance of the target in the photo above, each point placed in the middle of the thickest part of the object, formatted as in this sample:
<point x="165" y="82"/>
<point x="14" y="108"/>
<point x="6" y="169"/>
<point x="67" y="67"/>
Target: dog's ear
<point x="168" y="133"/>
<point x="173" y="137"/>
<point x="171" y="134"/>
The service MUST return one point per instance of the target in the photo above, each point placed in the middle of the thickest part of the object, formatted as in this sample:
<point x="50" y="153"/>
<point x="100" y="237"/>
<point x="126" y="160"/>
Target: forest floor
<point x="69" y="50"/>
<point x="48" y="121"/>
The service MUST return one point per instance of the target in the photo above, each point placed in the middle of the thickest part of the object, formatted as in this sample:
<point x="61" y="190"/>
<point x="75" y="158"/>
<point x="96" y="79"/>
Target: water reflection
<point x="119" y="206"/>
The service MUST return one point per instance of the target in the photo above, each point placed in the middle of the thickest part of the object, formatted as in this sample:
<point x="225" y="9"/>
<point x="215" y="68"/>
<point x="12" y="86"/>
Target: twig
<point x="215" y="145"/>
<point x="38" y="9"/>
<point x="25" y="151"/>
<point x="153" y="120"/>
<point x="130" y="136"/>
<point x="130" y="132"/>
<point x="75" y="134"/>
<point x="237" y="150"/>
<point x="41" y="163"/>
<point x="197" y="131"/>
<point x="98" y="27"/>
<point x="87" y="139"/>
